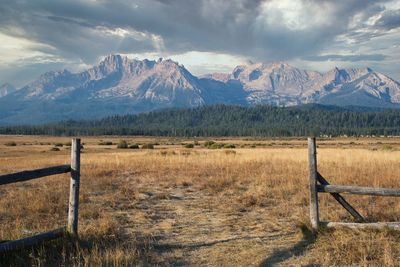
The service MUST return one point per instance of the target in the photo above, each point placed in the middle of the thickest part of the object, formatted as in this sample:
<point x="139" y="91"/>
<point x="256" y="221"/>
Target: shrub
<point x="216" y="146"/>
<point x="134" y="146"/>
<point x="58" y="145"/>
<point x="105" y="143"/>
<point x="209" y="143"/>
<point x="148" y="146"/>
<point x="12" y="143"/>
<point x="122" y="144"/>
<point x="54" y="149"/>
<point x="189" y="145"/>
<point x="229" y="146"/>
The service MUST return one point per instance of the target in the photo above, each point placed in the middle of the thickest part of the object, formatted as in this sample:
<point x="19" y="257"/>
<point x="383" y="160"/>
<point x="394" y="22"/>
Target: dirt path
<point x="188" y="226"/>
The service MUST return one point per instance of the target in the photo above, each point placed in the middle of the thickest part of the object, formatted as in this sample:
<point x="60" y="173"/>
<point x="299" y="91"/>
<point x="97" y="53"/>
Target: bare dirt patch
<point x="190" y="226"/>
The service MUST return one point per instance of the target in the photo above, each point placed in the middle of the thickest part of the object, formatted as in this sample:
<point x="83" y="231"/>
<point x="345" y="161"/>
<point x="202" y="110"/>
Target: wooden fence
<point x="318" y="184"/>
<point x="72" y="224"/>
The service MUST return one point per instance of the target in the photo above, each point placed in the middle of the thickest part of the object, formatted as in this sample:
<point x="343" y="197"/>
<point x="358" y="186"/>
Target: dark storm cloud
<point x="363" y="32"/>
<point x="72" y="28"/>
<point x="78" y="32"/>
<point x="83" y="29"/>
<point x="390" y="19"/>
<point x="353" y="58"/>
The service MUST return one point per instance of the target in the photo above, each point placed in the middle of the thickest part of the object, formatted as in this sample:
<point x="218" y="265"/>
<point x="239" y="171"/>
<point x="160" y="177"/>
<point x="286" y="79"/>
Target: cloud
<point x="390" y="19"/>
<point x="353" y="58"/>
<point x="82" y="31"/>
<point x="74" y="29"/>
<point x="260" y="29"/>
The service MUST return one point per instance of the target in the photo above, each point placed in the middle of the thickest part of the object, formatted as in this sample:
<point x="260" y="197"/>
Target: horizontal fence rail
<point x="31" y="240"/>
<point x="377" y="225"/>
<point x="33" y="174"/>
<point x="73" y="204"/>
<point x="318" y="184"/>
<point x="358" y="190"/>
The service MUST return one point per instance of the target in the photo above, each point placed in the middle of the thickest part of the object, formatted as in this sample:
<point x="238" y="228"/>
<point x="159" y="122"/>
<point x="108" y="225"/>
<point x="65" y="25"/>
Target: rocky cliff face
<point x="275" y="83"/>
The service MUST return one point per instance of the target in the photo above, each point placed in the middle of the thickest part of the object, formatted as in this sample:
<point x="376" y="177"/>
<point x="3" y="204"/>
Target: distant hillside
<point x="221" y="120"/>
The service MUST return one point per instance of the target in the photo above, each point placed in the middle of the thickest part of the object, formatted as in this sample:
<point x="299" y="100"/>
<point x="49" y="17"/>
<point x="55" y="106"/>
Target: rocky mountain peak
<point x="113" y="63"/>
<point x="173" y="70"/>
<point x="276" y="77"/>
<point x="113" y="60"/>
<point x="51" y="77"/>
<point x="338" y="75"/>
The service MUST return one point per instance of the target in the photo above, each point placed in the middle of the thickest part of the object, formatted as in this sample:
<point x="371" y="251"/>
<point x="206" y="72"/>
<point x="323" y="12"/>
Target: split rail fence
<point x="72" y="224"/>
<point x="318" y="184"/>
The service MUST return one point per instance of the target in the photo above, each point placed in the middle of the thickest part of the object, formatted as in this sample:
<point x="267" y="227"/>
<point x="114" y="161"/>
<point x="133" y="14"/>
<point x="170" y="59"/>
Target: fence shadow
<point x="282" y="255"/>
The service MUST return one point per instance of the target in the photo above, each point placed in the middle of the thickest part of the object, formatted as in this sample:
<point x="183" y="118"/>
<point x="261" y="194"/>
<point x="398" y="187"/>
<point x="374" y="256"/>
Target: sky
<point x="204" y="35"/>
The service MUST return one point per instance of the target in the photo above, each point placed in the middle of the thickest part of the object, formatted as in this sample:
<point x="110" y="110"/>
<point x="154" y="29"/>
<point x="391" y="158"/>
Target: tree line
<point x="223" y="120"/>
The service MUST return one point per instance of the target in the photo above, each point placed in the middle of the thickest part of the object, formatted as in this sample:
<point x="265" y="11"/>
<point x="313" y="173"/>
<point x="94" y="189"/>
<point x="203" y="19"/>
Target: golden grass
<point x="172" y="205"/>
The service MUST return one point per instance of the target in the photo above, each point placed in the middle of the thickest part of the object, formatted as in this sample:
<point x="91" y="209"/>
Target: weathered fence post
<point x="72" y="227"/>
<point x="312" y="161"/>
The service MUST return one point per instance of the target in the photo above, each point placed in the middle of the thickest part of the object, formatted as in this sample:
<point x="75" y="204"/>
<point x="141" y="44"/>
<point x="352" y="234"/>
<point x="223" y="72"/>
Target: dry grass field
<point x="171" y="205"/>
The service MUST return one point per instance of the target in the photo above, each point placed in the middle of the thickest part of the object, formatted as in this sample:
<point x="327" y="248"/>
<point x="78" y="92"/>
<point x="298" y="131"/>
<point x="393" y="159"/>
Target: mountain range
<point x="119" y="85"/>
